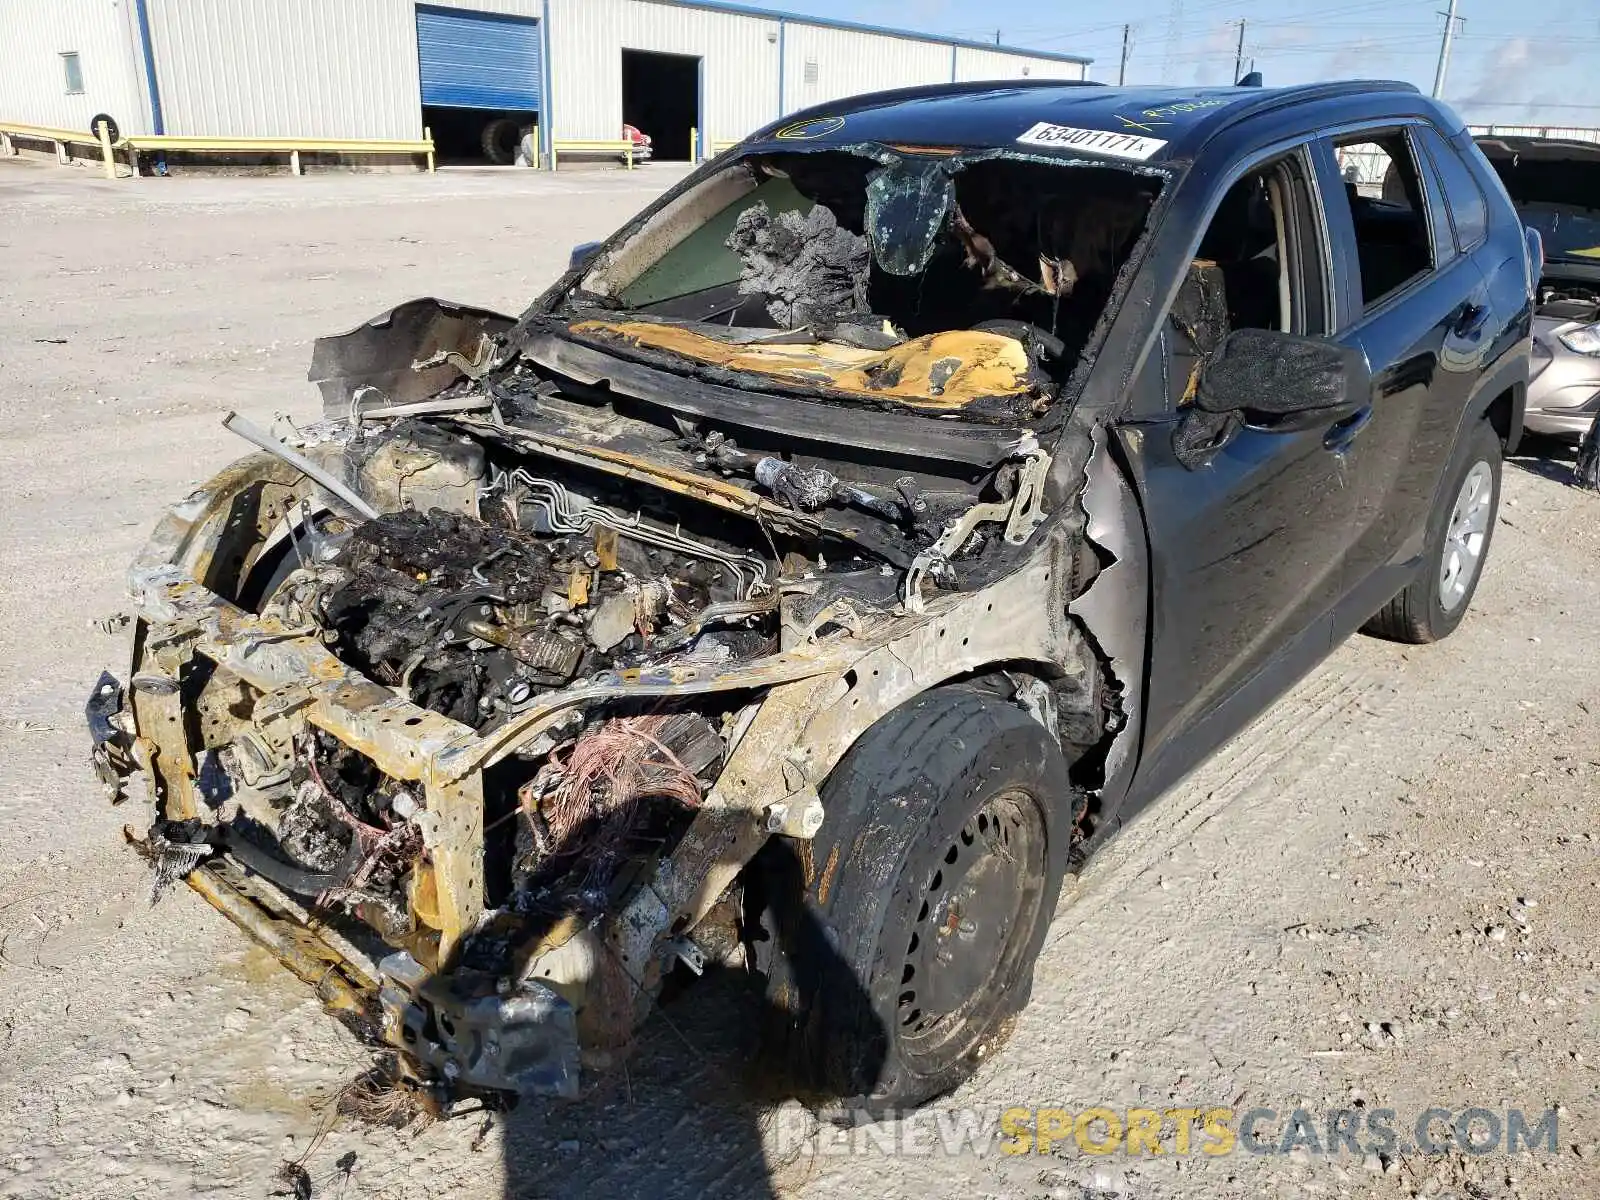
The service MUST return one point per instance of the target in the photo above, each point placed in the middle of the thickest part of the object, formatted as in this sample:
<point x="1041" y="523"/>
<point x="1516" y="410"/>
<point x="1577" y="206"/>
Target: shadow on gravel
<point x="697" y="1108"/>
<point x="1547" y="457"/>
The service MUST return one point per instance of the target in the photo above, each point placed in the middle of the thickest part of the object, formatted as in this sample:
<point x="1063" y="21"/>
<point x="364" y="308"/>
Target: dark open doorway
<point x="661" y="98"/>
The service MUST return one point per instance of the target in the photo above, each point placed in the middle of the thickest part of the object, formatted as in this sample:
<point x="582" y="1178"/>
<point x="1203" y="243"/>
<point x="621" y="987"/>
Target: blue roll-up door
<point x="478" y="59"/>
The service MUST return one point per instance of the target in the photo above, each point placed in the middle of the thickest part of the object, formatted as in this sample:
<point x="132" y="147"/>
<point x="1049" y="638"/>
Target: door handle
<point x="1342" y="433"/>
<point x="1470" y="320"/>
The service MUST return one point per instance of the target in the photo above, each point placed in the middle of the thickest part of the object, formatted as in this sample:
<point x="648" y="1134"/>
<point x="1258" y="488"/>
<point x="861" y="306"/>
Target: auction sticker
<point x="1092" y="141"/>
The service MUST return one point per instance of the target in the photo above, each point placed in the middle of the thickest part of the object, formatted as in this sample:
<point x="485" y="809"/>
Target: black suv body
<point x="827" y="564"/>
<point x="1293" y="539"/>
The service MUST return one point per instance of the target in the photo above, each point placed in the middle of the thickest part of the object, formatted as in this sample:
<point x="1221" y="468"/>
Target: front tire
<point x="1459" y="531"/>
<point x="900" y="953"/>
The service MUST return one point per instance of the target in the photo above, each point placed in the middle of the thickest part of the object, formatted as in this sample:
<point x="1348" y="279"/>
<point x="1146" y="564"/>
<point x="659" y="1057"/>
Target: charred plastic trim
<point x="901" y="433"/>
<point x="410" y="353"/>
<point x="112" y="748"/>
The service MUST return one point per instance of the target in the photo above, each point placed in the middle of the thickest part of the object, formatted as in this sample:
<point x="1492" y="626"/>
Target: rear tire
<point x="903" y="945"/>
<point x="1432" y="605"/>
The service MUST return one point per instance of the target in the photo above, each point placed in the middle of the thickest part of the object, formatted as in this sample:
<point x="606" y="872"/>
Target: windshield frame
<point x="567" y="302"/>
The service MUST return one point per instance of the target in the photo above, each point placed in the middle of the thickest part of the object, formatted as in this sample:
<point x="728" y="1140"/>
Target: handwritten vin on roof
<point x="1091" y="141"/>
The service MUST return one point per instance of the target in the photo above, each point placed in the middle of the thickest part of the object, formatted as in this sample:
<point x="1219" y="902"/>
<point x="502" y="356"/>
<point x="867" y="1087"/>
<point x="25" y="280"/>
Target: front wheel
<point x="903" y="944"/>
<point x="1459" y="531"/>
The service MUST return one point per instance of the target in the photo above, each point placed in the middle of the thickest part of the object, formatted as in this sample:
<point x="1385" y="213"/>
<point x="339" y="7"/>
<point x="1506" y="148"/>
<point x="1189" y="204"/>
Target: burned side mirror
<point x="1267" y="376"/>
<point x="582" y="253"/>
<point x="1273" y="381"/>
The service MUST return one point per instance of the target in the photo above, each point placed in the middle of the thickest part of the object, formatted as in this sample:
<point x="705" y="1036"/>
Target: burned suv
<point x="826" y="565"/>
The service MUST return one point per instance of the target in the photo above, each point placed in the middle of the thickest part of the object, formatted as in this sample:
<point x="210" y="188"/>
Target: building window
<point x="73" y="70"/>
<point x="811" y="71"/>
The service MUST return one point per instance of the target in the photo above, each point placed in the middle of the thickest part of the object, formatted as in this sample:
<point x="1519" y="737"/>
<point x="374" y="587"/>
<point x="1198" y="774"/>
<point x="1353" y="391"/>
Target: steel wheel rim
<point x="1465" y="536"/>
<point x="978" y="911"/>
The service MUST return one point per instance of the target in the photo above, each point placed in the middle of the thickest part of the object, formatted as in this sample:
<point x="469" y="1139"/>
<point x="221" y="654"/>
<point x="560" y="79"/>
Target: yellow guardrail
<point x="294" y="147"/>
<point x="559" y="147"/>
<point x="61" y="138"/>
<point x="716" y="146"/>
<point x="150" y="143"/>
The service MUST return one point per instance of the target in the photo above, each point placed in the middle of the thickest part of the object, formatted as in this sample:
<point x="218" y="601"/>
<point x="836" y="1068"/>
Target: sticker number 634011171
<point x="1091" y="141"/>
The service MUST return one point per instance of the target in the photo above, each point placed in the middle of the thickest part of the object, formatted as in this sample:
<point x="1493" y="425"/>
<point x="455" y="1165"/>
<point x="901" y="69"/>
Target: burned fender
<point x="405" y="355"/>
<point x="1115" y="607"/>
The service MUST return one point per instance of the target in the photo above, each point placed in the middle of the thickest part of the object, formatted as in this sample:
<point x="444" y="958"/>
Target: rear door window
<point x="1469" y="211"/>
<point x="1388" y="208"/>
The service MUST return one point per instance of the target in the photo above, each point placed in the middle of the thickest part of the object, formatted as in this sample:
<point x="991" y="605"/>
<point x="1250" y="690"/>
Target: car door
<point x="1246" y="549"/>
<point x="1419" y="311"/>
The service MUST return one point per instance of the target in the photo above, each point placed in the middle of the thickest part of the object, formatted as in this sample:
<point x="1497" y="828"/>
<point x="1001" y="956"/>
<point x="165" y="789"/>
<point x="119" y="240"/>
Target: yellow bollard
<point x="630" y="154"/>
<point x="694" y="145"/>
<point x="105" y="150"/>
<point x="427" y="136"/>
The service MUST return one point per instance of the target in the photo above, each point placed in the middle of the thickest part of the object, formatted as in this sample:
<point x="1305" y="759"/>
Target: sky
<point x="1512" y="62"/>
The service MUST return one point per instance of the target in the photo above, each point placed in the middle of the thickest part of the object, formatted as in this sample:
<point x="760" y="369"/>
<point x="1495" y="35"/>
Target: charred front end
<point x="476" y="701"/>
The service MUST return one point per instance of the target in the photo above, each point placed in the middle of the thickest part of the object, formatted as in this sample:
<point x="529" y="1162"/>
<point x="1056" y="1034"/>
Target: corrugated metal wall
<point x="288" y="68"/>
<point x="972" y="63"/>
<point x="33" y="37"/>
<point x="824" y="64"/>
<point x="739" y="76"/>
<point x="348" y="68"/>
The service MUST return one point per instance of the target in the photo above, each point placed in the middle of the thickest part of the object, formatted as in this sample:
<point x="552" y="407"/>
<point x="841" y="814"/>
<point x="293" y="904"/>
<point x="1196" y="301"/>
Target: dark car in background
<point x="1555" y="184"/>
<point x="828" y="563"/>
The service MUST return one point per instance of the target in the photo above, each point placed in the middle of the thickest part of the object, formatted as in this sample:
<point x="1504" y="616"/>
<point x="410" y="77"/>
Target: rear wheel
<point x="900" y="952"/>
<point x="1459" y="532"/>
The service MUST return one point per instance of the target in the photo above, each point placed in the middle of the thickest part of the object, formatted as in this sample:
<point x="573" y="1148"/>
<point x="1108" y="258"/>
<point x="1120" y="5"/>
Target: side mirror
<point x="1266" y="375"/>
<point x="582" y="253"/>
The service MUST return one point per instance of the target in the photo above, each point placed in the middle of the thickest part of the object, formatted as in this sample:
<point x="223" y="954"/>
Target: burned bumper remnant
<point x="476" y="704"/>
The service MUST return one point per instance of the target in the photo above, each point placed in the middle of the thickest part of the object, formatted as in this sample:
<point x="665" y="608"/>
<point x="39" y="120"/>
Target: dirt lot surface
<point x="1383" y="895"/>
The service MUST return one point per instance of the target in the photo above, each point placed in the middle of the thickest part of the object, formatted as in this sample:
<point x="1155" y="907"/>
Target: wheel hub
<point x="977" y="909"/>
<point x="1464" y="536"/>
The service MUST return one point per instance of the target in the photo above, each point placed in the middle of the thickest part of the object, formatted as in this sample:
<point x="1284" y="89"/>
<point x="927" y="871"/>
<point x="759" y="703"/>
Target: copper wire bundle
<point x="607" y="773"/>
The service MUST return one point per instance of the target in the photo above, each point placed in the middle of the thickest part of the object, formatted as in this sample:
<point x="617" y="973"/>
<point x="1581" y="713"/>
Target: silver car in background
<point x="1555" y="184"/>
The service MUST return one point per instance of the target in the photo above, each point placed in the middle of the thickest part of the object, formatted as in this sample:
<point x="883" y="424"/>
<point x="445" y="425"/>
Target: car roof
<point x="989" y="115"/>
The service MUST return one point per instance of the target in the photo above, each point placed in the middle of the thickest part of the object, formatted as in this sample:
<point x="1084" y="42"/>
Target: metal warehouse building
<point x="578" y="69"/>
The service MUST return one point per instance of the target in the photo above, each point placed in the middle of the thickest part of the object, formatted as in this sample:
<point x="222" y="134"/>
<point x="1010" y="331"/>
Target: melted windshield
<point x="934" y="280"/>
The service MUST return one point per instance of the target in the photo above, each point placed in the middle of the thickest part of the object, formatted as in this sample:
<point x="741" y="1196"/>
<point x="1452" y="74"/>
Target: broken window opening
<point x="1260" y="265"/>
<point x="859" y="254"/>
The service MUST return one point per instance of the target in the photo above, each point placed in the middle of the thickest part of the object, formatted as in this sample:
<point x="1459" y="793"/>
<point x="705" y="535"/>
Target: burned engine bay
<point x="517" y="658"/>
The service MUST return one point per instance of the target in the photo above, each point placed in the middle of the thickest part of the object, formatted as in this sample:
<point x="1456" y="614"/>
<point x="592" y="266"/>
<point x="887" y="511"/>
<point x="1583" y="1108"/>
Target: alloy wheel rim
<point x="1465" y="536"/>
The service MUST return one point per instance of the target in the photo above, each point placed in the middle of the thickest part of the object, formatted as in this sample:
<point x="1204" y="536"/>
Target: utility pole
<point x="997" y="32"/>
<point x="1238" y="55"/>
<point x="1450" y="20"/>
<point x="1122" y="69"/>
<point x="1169" y="57"/>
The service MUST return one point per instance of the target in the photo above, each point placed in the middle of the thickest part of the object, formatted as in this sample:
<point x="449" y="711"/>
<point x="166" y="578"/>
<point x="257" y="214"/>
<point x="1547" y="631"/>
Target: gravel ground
<point x="1382" y="895"/>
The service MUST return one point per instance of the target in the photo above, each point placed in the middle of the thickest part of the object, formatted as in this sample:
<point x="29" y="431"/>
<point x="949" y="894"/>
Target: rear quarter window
<point x="1469" y="210"/>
